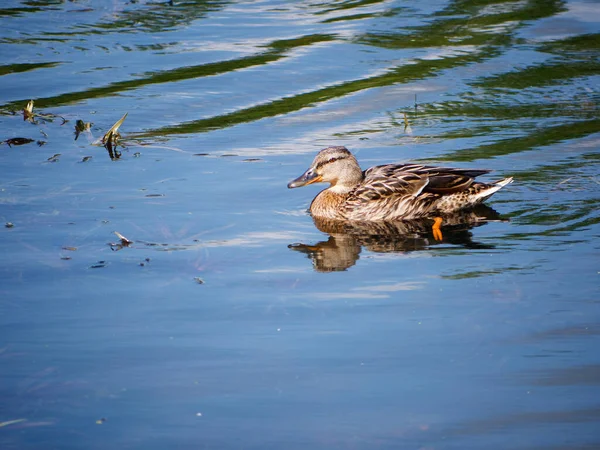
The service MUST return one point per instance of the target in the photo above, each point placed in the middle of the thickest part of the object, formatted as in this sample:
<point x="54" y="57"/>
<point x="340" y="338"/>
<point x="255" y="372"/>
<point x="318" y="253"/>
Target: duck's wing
<point x="387" y="193"/>
<point x="389" y="180"/>
<point x="442" y="180"/>
<point x="404" y="191"/>
<point x="385" y="186"/>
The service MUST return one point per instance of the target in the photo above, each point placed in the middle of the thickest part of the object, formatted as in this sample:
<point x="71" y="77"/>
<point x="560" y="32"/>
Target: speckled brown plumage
<point x="392" y="191"/>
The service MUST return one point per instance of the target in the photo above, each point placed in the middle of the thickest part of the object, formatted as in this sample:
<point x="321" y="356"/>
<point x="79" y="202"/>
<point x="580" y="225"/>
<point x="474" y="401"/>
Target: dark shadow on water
<point x="347" y="239"/>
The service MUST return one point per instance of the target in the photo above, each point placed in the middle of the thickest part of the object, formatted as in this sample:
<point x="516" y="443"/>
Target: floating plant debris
<point x="124" y="241"/>
<point x="112" y="137"/>
<point x="17" y="141"/>
<point x="114" y="154"/>
<point x="30" y="116"/>
<point x="86" y="159"/>
<point x="71" y="249"/>
<point x="54" y="158"/>
<point x="81" y="127"/>
<point x="99" y="265"/>
<point x="28" y="112"/>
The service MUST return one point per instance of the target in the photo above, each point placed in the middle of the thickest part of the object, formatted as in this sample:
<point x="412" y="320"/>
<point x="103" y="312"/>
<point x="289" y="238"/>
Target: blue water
<point x="232" y="321"/>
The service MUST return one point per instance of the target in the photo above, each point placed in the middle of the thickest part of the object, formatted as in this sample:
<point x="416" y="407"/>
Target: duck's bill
<point x="307" y="177"/>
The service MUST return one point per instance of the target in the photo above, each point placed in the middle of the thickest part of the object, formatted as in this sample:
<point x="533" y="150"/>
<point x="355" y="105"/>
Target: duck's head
<point x="334" y="165"/>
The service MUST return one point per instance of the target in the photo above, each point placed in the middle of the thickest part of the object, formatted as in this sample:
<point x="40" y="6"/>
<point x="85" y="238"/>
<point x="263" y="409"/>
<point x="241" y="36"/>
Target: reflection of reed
<point x="346" y="239"/>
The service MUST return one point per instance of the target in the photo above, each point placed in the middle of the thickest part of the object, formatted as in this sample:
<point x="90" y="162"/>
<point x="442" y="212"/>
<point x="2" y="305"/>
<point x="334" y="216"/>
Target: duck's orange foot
<point x="436" y="228"/>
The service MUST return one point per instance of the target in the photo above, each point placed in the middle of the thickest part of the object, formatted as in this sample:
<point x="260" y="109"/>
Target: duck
<point x="391" y="192"/>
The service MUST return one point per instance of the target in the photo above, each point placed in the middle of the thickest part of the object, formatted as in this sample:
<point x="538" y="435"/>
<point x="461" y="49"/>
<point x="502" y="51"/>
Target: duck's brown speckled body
<point x="392" y="191"/>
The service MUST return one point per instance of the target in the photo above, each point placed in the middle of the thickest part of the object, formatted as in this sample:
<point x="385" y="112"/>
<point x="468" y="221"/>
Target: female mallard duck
<point x="392" y="191"/>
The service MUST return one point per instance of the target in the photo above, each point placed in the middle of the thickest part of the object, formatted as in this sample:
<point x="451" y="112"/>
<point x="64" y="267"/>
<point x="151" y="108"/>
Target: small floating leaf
<point x="81" y="127"/>
<point x="28" y="115"/>
<point x="112" y="133"/>
<point x="99" y="265"/>
<point x="54" y="158"/>
<point x="86" y="158"/>
<point x="28" y="111"/>
<point x="111" y="139"/>
<point x="124" y="241"/>
<point x="71" y="249"/>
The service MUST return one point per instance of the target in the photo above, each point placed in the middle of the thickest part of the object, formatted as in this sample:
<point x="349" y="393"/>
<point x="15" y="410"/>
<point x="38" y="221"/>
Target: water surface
<point x="233" y="321"/>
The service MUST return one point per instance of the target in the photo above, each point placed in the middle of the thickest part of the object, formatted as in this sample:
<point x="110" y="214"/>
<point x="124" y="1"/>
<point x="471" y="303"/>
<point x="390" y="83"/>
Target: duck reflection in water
<point x="346" y="239"/>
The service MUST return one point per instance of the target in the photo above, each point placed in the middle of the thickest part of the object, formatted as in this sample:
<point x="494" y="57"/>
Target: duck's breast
<point x="328" y="205"/>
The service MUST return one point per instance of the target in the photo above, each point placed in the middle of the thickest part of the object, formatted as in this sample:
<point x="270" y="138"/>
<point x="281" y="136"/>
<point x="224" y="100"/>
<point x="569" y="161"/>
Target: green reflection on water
<point x="276" y="51"/>
<point x="25" y="67"/>
<point x="286" y="105"/>
<point x="536" y="137"/>
<point x="467" y="23"/>
<point x="446" y="30"/>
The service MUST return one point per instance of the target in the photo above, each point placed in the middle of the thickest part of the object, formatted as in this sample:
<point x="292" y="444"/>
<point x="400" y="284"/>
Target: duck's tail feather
<point x="492" y="188"/>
